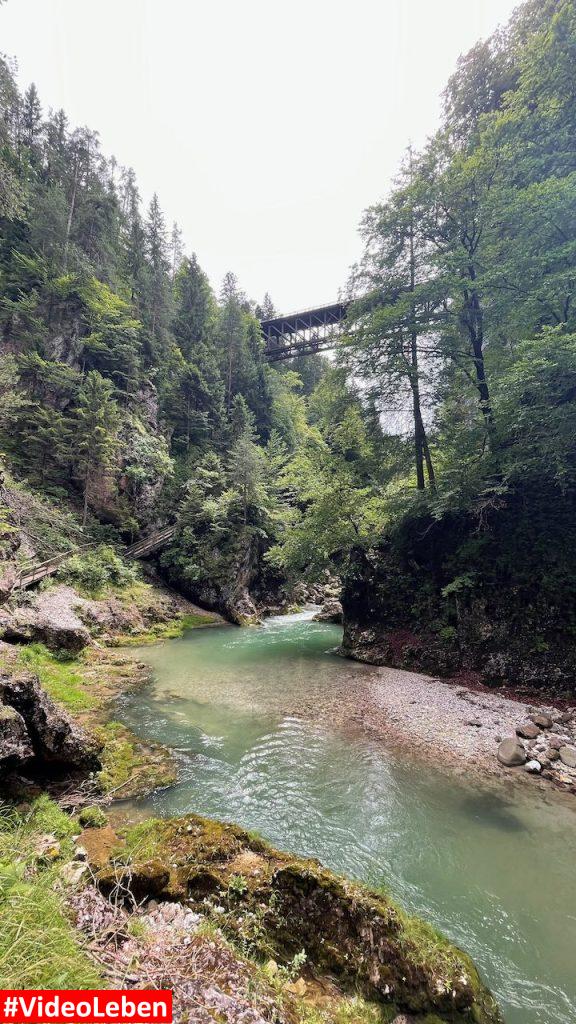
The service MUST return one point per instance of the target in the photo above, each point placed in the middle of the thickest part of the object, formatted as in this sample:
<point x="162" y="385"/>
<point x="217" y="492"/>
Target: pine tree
<point x="31" y="117"/>
<point x="95" y="427"/>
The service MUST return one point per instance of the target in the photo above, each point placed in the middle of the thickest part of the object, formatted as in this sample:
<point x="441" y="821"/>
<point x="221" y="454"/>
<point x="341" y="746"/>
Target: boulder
<point x="52" y="619"/>
<point x="331" y="611"/>
<point x="541" y="720"/>
<point x="568" y="756"/>
<point x="528" y="730"/>
<point x="15" y="744"/>
<point x="54" y="738"/>
<point x="511" y="752"/>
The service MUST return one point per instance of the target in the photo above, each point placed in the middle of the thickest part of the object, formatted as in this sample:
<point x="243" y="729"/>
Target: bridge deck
<point x="304" y="332"/>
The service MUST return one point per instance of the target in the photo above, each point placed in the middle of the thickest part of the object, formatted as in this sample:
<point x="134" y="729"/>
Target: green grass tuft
<point x="60" y="677"/>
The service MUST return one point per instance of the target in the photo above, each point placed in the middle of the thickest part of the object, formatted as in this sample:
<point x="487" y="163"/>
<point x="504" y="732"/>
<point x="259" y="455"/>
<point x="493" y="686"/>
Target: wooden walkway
<point x="151" y="543"/>
<point x="32" y="572"/>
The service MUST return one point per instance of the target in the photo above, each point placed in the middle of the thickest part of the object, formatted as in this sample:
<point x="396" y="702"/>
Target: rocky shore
<point x="464" y="730"/>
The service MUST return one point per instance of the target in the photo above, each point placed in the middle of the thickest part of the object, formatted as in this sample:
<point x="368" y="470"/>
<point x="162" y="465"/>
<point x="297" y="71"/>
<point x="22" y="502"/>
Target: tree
<point x="391" y="324"/>
<point x="158" y="305"/>
<point x="176" y="250"/>
<point x="95" y="426"/>
<point x="31" y="116"/>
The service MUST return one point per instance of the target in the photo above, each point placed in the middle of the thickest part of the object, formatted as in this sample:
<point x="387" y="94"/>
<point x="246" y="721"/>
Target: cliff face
<point x="495" y="596"/>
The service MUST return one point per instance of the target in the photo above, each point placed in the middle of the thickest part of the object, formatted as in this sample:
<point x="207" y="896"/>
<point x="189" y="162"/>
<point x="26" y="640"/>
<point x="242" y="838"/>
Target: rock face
<point x="449" y="595"/>
<point x="15" y="743"/>
<point x="34" y="731"/>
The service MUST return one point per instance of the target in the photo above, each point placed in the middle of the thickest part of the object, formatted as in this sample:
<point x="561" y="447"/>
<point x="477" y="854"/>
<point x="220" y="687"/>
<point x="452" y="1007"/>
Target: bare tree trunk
<point x="85" y="509"/>
<point x="70" y="215"/>
<point x="422" y="450"/>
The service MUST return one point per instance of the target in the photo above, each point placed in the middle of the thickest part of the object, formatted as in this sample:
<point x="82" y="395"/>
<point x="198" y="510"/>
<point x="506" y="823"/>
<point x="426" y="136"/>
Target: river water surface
<point x="256" y="718"/>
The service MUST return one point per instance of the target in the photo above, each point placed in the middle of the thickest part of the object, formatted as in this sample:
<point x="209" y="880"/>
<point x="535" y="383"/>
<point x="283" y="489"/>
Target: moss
<point x="130" y="766"/>
<point x="166" y="630"/>
<point x="92" y="817"/>
<point x="39" y="947"/>
<point x="277" y="905"/>
<point x="60" y="675"/>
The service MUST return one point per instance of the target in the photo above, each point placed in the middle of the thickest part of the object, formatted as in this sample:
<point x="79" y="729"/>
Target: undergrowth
<point x="39" y="948"/>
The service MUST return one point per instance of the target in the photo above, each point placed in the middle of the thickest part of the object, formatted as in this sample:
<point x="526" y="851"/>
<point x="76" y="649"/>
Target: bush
<point x="96" y="570"/>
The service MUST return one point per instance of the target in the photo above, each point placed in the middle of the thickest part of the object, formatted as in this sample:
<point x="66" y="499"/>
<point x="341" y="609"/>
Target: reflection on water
<point x="259" y="720"/>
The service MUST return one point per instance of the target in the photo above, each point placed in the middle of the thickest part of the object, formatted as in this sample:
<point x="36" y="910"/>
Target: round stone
<point x="568" y="756"/>
<point x="528" y="730"/>
<point x="511" y="752"/>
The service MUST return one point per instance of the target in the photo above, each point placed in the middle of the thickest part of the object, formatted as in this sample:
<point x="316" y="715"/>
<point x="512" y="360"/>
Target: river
<point x="257" y="719"/>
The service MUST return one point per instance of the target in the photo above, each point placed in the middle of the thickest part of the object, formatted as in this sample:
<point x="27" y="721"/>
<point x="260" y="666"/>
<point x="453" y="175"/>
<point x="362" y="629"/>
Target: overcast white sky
<point x="265" y="127"/>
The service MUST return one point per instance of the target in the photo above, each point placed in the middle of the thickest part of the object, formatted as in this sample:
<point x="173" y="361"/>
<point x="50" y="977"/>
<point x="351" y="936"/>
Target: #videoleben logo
<point x="51" y="1007"/>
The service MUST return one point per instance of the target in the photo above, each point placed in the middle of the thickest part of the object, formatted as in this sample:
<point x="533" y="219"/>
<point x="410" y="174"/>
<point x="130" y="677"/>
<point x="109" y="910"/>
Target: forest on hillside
<point x="435" y="448"/>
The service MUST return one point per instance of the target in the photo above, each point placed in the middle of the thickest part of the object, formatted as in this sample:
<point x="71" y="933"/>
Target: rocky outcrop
<point x="331" y="611"/>
<point x="49" y="617"/>
<point x="35" y="732"/>
<point x="491" y="592"/>
<point x="15" y="743"/>
<point x="278" y="904"/>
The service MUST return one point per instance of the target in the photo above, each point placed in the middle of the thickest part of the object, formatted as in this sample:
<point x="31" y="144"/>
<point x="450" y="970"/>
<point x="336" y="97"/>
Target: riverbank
<point x="74" y="646"/>
<point x="460" y="729"/>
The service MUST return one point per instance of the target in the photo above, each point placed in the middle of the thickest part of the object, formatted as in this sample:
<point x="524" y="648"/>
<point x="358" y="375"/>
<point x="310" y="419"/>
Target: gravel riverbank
<point x="458" y="728"/>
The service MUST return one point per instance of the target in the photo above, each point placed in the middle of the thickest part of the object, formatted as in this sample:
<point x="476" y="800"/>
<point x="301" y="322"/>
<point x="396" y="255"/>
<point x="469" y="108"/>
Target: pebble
<point x="534" y="767"/>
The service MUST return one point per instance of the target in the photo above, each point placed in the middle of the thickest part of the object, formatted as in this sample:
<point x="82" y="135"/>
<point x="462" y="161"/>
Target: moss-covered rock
<point x="277" y="905"/>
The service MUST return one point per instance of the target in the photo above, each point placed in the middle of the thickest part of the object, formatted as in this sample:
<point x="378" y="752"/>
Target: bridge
<point x="303" y="333"/>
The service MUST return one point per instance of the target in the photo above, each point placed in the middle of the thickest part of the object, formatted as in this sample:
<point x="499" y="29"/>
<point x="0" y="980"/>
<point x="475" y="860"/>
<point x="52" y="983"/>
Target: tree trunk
<point x="70" y="216"/>
<point x="474" y="321"/>
<point x="421" y="449"/>
<point x="85" y="509"/>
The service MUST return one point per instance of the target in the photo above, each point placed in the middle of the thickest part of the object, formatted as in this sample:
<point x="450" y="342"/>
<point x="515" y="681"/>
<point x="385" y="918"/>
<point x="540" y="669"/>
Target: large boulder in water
<point x="331" y="611"/>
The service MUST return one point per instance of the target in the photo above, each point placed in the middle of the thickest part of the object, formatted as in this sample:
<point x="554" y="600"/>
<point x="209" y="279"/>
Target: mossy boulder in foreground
<point x="276" y="905"/>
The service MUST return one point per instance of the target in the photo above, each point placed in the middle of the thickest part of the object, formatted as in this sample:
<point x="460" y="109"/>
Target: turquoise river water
<point x="258" y="720"/>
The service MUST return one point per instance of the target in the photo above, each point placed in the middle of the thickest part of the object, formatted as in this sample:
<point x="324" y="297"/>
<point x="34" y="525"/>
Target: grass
<point x="128" y="766"/>
<point x="165" y="630"/>
<point x="60" y="676"/>
<point x="39" y="947"/>
<point x="354" y="1010"/>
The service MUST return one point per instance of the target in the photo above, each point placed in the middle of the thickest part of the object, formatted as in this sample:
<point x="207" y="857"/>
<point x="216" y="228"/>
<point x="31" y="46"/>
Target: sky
<point x="266" y="128"/>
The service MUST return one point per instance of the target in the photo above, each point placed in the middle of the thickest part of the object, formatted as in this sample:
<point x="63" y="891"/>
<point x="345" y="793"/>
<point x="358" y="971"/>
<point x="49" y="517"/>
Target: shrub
<point x="96" y="570"/>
